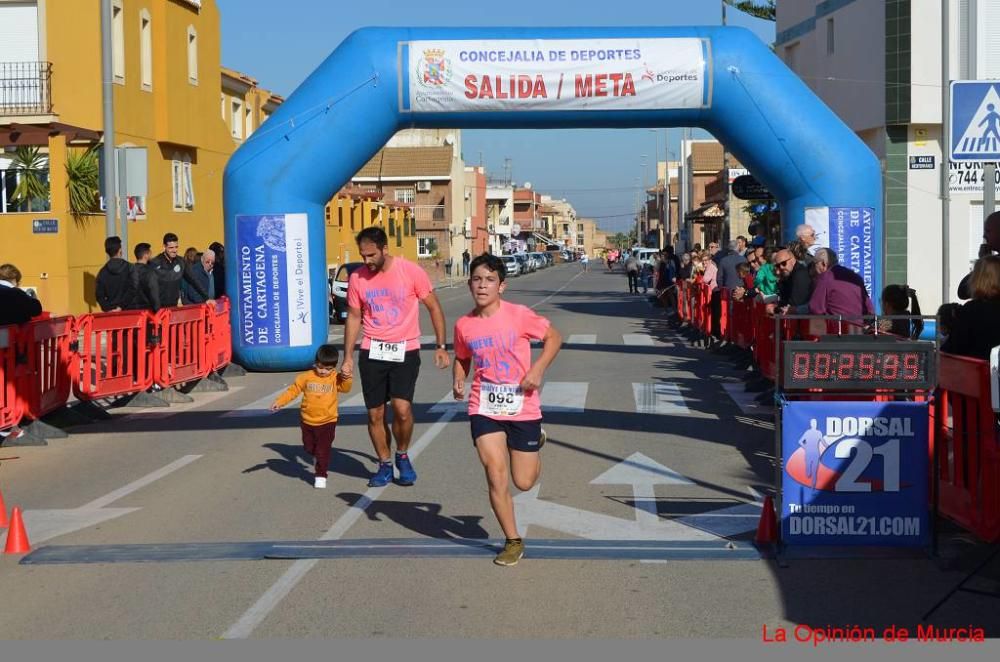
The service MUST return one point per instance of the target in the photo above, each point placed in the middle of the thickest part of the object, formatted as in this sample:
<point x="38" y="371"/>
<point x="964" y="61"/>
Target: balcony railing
<point x="429" y="213"/>
<point x="25" y="88"/>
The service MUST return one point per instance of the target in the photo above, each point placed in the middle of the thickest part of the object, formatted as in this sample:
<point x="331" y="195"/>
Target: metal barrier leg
<point x="233" y="370"/>
<point x="211" y="383"/>
<point x="43" y="430"/>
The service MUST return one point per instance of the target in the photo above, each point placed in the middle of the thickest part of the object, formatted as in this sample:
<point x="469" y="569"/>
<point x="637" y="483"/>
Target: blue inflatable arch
<point x="382" y="80"/>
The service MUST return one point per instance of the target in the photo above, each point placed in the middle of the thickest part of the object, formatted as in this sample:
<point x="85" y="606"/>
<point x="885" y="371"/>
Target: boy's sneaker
<point x="512" y="552"/>
<point x="407" y="476"/>
<point x="383" y="476"/>
<point x="320" y="482"/>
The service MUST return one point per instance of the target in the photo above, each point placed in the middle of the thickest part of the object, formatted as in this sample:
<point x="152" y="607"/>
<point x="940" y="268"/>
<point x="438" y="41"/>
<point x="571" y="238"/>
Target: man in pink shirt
<point x="505" y="406"/>
<point x="382" y="299"/>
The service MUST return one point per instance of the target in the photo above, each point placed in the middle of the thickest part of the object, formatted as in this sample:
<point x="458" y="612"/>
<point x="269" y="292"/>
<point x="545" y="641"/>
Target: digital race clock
<point x="859" y="363"/>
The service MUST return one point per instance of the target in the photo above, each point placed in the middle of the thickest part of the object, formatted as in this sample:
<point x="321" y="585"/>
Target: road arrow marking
<point x="595" y="526"/>
<point x="642" y="474"/>
<point x="45" y="524"/>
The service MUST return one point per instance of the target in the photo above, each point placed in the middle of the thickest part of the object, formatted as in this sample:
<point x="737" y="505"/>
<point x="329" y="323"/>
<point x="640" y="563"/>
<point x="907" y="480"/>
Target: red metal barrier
<point x="47" y="378"/>
<point x="220" y="344"/>
<point x="11" y="407"/>
<point x="741" y="323"/>
<point x="113" y="355"/>
<point x="182" y="355"/>
<point x="684" y="299"/>
<point x="967" y="447"/>
<point x="725" y="303"/>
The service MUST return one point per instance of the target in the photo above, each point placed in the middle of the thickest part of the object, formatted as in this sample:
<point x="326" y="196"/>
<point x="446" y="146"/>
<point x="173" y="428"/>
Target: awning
<point x="709" y="212"/>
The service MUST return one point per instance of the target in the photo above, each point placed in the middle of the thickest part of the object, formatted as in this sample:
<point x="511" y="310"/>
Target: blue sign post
<point x="855" y="473"/>
<point x="975" y="120"/>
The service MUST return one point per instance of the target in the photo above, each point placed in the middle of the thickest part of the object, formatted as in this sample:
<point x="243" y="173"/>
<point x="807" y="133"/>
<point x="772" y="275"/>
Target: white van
<point x="645" y="255"/>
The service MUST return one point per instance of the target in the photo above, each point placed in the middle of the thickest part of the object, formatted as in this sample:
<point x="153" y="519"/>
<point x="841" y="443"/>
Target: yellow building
<point x="352" y="210"/>
<point x="167" y="79"/>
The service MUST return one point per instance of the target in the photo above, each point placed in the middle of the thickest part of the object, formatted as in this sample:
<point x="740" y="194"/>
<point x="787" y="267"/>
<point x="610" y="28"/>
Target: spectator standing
<point x="838" y="290"/>
<point x="466" y="259"/>
<point x="116" y="281"/>
<point x="794" y="283"/>
<point x="170" y="270"/>
<point x="16" y="307"/>
<point x="202" y="272"/>
<point x="807" y="235"/>
<point x="146" y="283"/>
<point x="728" y="277"/>
<point x="632" y="272"/>
<point x="447" y="266"/>
<point x="219" y="272"/>
<point x="765" y="281"/>
<point x="990" y="246"/>
<point x="976" y="329"/>
<point x="900" y="300"/>
<point x="191" y="256"/>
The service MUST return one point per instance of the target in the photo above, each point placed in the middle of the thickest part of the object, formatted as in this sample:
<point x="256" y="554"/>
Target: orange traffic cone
<point x="4" y="522"/>
<point x="17" y="537"/>
<point x="767" y="527"/>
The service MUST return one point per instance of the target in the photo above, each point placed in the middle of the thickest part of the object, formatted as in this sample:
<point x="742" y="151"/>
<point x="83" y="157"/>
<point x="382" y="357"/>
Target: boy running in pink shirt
<point x="494" y="341"/>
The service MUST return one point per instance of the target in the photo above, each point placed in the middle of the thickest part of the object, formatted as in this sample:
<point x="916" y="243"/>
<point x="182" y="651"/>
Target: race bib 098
<point x="500" y="399"/>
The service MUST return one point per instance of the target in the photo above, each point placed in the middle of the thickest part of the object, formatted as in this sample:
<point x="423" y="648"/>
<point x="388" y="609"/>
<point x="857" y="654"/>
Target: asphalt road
<point x="648" y="453"/>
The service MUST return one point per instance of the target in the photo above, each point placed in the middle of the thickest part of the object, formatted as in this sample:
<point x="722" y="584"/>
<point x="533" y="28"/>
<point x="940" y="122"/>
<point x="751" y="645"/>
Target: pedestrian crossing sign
<point x="975" y="120"/>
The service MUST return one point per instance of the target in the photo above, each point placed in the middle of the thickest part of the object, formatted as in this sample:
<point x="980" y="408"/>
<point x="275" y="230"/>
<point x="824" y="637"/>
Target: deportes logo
<point x="435" y="69"/>
<point x="649" y="74"/>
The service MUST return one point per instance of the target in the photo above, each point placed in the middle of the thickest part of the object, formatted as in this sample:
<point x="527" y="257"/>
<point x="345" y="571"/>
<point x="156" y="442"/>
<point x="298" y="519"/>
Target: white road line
<point x="564" y="396"/>
<point x="580" y="273"/>
<point x="258" y="407"/>
<point x="254" y="616"/>
<point x="111" y="497"/>
<point x="449" y="403"/>
<point x="582" y="339"/>
<point x="353" y="405"/>
<point x="745" y="401"/>
<point x="637" y="339"/>
<point x="757" y="496"/>
<point x="661" y="398"/>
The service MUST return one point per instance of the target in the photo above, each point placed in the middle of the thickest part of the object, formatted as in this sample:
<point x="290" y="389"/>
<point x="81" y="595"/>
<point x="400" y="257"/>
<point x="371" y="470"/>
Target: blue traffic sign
<point x="975" y="120"/>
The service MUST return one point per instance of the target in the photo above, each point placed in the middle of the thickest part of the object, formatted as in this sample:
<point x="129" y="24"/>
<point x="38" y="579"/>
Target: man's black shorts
<point x="521" y="435"/>
<point x="384" y="380"/>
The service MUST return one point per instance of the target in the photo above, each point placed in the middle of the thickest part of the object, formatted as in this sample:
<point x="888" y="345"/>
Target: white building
<point x="878" y="65"/>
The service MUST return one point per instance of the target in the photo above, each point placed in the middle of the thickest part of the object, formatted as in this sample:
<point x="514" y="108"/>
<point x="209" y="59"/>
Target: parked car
<point x="522" y="259"/>
<point x="338" y="291"/>
<point x="511" y="264"/>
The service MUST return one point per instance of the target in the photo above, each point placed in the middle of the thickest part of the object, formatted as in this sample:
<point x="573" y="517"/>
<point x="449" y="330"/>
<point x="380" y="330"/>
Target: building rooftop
<point x="415" y="162"/>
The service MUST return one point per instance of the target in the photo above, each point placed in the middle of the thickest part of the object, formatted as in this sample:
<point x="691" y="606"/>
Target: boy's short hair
<point x="327" y="356"/>
<point x="169" y="237"/>
<point x="141" y="249"/>
<point x="112" y="245"/>
<point x="491" y="262"/>
<point x="374" y="234"/>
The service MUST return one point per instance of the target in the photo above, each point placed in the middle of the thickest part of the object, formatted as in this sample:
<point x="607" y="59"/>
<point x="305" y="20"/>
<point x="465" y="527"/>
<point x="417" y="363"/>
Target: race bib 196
<point x="500" y="399"/>
<point x="387" y="351"/>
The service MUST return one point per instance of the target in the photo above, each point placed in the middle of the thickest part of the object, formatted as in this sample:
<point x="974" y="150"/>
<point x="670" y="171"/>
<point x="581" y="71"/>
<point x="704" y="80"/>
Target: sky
<point x="597" y="170"/>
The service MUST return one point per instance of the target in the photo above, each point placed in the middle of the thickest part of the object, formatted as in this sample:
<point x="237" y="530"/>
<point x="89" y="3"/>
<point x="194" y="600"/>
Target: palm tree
<point x="82" y="181"/>
<point x="32" y="167"/>
<point x="763" y="10"/>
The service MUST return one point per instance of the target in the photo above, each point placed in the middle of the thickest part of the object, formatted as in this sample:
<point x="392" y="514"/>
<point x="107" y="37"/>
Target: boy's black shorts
<point x="385" y="380"/>
<point x="521" y="435"/>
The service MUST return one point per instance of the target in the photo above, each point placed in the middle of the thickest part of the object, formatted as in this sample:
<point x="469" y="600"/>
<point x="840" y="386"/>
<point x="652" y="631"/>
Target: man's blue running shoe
<point x="383" y="476"/>
<point x="407" y="476"/>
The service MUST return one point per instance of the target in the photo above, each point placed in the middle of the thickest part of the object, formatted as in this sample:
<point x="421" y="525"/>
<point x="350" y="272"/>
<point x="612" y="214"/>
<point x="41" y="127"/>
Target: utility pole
<point x="726" y="222"/>
<point x="107" y="90"/>
<point x="945" y="150"/>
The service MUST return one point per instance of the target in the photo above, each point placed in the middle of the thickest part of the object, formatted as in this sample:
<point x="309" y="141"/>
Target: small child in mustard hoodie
<point x="319" y="388"/>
